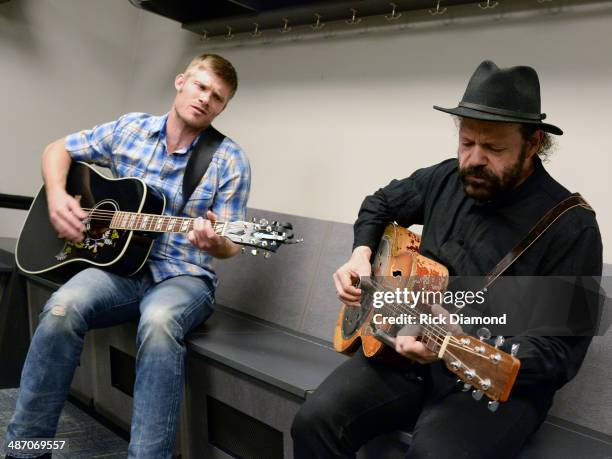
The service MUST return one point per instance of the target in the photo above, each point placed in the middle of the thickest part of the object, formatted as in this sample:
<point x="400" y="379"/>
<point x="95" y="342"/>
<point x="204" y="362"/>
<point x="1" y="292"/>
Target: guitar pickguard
<point x="97" y="237"/>
<point x="88" y="244"/>
<point x="355" y="317"/>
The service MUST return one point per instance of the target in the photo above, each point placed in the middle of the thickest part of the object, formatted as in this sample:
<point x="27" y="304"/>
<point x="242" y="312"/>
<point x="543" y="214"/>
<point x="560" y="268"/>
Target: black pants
<point x="362" y="399"/>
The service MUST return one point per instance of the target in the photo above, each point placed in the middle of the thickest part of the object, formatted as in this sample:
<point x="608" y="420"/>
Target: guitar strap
<point x="201" y="156"/>
<point x="574" y="200"/>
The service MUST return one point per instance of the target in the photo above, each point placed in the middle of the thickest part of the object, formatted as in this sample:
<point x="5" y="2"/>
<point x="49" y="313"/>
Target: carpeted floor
<point x="87" y="438"/>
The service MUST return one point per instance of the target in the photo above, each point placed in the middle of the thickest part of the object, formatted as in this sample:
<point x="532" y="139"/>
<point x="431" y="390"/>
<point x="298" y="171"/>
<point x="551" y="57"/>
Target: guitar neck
<point x="432" y="336"/>
<point x="157" y="223"/>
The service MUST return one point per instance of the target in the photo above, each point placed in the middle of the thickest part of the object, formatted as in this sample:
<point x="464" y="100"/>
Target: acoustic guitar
<point x="124" y="216"/>
<point x="479" y="365"/>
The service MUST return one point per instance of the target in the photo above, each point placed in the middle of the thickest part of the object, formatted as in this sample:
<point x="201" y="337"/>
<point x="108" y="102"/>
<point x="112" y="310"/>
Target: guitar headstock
<point x="260" y="234"/>
<point x="485" y="368"/>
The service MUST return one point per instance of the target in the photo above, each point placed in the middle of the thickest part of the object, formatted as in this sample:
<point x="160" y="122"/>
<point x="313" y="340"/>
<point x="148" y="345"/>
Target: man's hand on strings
<point x="410" y="347"/>
<point x="347" y="276"/>
<point x="407" y="342"/>
<point x="203" y="235"/>
<point x="66" y="215"/>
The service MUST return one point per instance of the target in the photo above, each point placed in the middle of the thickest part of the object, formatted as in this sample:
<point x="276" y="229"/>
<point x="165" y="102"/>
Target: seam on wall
<point x="317" y="265"/>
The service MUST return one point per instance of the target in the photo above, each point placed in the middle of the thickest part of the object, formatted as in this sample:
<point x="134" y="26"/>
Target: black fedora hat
<point x="509" y="95"/>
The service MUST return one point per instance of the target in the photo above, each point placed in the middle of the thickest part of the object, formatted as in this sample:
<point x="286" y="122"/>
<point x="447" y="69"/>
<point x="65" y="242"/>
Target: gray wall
<point x="324" y="121"/>
<point x="66" y="65"/>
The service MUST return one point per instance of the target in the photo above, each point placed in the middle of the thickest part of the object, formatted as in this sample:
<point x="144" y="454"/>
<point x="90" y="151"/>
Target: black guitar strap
<point x="201" y="156"/>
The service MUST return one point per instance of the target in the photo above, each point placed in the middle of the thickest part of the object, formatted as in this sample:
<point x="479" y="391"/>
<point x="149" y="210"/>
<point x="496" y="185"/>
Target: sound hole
<point x="353" y="318"/>
<point x="396" y="274"/>
<point x="100" y="219"/>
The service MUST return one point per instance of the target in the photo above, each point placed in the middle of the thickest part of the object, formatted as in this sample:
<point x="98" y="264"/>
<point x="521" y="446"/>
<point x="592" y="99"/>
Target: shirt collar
<point x="158" y="127"/>
<point x="158" y="124"/>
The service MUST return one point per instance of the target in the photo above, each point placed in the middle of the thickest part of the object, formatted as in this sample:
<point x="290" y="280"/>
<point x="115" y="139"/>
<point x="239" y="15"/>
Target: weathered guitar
<point x="486" y="368"/>
<point x="124" y="217"/>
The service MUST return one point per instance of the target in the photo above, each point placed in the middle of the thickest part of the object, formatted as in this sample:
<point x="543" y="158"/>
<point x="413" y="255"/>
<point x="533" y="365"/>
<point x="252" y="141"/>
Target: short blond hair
<point x="219" y="66"/>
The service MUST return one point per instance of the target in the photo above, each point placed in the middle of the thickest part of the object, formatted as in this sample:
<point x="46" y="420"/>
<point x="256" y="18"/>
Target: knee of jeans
<point x="64" y="310"/>
<point x="158" y="326"/>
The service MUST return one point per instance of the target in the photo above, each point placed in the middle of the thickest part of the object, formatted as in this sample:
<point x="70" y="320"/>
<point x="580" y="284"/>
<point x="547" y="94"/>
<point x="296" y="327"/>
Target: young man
<point x="474" y="210"/>
<point x="173" y="293"/>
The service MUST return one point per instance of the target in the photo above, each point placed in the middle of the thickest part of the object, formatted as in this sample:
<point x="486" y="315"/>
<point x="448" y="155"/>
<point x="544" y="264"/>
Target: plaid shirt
<point x="135" y="146"/>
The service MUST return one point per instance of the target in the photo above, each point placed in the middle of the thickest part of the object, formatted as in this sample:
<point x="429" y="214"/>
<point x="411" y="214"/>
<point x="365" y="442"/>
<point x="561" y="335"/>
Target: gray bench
<point x="267" y="347"/>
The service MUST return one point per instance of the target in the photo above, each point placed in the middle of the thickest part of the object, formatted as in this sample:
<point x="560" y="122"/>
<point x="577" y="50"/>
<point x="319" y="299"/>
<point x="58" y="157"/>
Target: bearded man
<point x="474" y="209"/>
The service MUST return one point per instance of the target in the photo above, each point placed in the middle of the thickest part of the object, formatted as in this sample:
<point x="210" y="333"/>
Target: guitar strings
<point x="112" y="213"/>
<point x="109" y="215"/>
<point x="439" y="337"/>
<point x="453" y="343"/>
<point x="398" y="309"/>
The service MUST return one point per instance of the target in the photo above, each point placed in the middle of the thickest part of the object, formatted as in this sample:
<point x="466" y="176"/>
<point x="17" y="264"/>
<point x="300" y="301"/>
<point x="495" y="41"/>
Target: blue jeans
<point x="96" y="299"/>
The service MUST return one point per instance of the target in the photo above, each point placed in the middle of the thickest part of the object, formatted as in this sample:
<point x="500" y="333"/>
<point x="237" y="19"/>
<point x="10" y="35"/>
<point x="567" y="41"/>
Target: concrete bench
<point x="267" y="347"/>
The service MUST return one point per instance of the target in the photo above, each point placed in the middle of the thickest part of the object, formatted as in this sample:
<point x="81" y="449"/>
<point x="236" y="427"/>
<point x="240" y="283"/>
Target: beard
<point x="491" y="186"/>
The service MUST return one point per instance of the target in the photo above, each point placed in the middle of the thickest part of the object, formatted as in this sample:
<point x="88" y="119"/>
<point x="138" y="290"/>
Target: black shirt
<point x="470" y="238"/>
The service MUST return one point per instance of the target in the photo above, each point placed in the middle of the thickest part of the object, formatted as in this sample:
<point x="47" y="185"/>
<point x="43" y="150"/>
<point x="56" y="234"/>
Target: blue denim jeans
<point x="166" y="311"/>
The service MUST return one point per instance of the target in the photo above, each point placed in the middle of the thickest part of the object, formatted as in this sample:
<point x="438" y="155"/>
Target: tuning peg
<point x="483" y="333"/>
<point x="243" y="250"/>
<point x="466" y="387"/>
<point x="274" y="223"/>
<point x="287" y="225"/>
<point x="493" y="405"/>
<point x="267" y="255"/>
<point x="477" y="394"/>
<point x="499" y="341"/>
<point x="514" y="349"/>
<point x="253" y="220"/>
<point x="254" y="252"/>
<point x="263" y="222"/>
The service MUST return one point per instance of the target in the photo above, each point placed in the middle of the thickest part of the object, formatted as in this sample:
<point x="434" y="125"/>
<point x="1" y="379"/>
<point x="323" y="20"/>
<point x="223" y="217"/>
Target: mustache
<point x="477" y="172"/>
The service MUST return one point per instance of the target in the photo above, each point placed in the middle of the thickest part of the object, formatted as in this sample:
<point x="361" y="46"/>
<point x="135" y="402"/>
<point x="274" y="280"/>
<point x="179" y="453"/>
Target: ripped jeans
<point x="166" y="311"/>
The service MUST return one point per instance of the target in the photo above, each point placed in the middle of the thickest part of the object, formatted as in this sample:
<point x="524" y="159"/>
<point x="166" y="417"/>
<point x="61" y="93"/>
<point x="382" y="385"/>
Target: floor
<point x="87" y="438"/>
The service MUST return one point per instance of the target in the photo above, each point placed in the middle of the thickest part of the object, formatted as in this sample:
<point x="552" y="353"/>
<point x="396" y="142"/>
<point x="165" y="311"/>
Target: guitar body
<point x="398" y="260"/>
<point x="398" y="265"/>
<point x="40" y="251"/>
